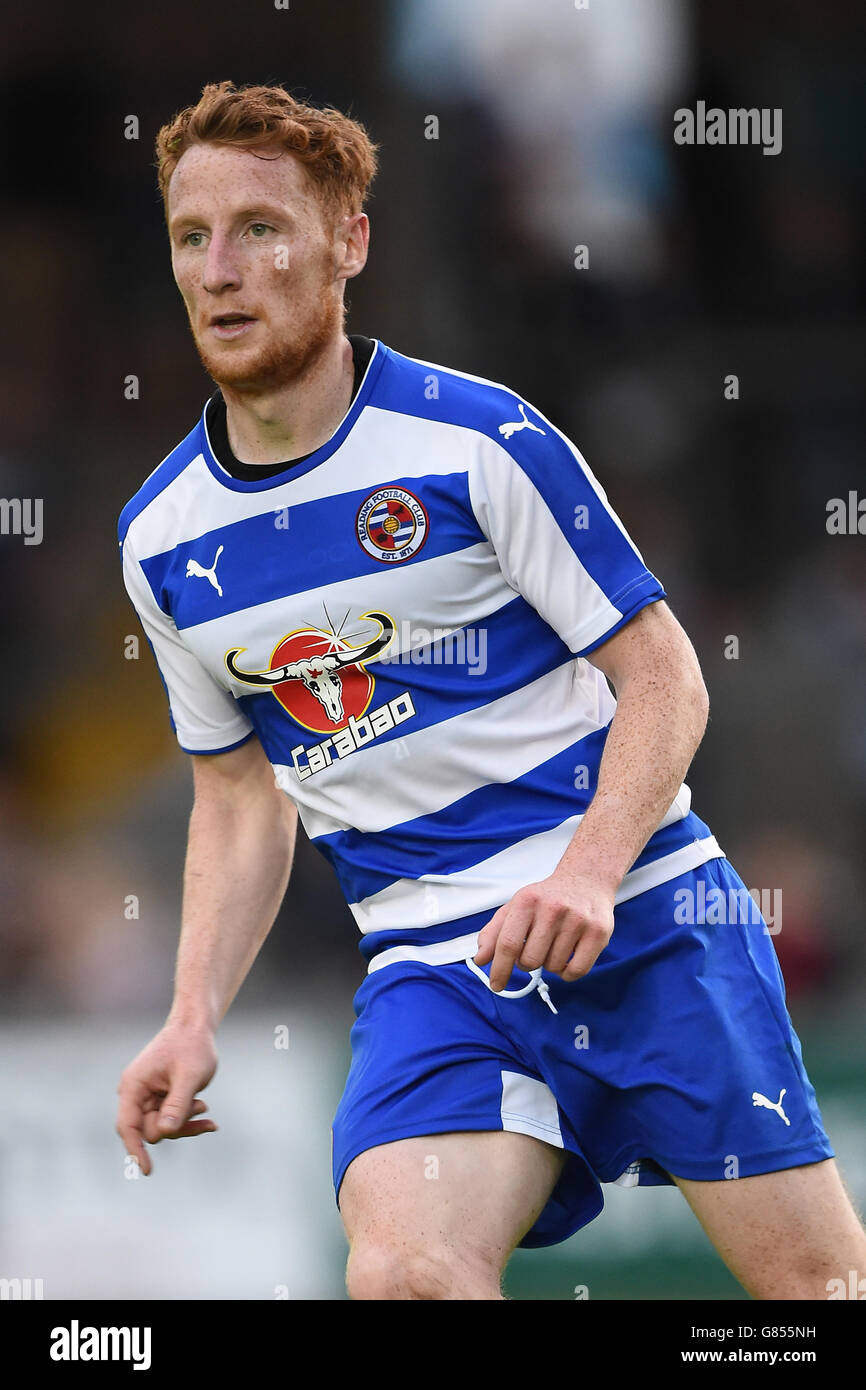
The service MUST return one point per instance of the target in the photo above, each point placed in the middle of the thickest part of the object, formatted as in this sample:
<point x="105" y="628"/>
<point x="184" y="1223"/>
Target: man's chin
<point x="254" y="369"/>
<point x="242" y="370"/>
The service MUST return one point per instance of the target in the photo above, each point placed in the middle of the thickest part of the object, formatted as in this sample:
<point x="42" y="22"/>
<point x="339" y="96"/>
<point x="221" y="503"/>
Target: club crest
<point x="391" y="525"/>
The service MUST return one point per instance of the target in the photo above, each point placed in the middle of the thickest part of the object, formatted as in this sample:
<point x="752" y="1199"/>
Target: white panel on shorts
<point x="631" y="1176"/>
<point x="529" y="1107"/>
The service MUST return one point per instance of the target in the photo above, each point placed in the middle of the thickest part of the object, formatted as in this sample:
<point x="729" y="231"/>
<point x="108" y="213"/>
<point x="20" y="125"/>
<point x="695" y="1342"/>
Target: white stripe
<point x="375" y="788"/>
<point x="438" y="898"/>
<point x="529" y="1107"/>
<point x="452" y="591"/>
<point x="437" y="953"/>
<point x="459" y="948"/>
<point x="679" y="861"/>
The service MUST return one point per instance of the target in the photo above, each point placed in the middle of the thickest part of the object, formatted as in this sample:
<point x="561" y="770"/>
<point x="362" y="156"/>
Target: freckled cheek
<point x="190" y="289"/>
<point x="294" y="276"/>
<point x="281" y="276"/>
<point x="191" y="293"/>
<point x="184" y="278"/>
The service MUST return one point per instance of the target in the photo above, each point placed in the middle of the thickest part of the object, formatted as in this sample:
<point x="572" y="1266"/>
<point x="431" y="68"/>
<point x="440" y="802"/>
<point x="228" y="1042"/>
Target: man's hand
<point x="157" y="1090"/>
<point x="562" y="923"/>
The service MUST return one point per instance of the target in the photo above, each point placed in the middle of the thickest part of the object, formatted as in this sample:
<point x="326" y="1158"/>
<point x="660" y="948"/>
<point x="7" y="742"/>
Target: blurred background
<point x="555" y="130"/>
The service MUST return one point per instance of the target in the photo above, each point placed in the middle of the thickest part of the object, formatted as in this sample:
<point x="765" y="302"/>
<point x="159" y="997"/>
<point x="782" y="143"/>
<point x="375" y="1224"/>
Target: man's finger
<point x="152" y="1122"/>
<point x="488" y="935"/>
<point x="509" y="944"/>
<point x="134" y="1146"/>
<point x="194" y="1127"/>
<point x="538" y="944"/>
<point x="154" y="1135"/>
<point x="561" y="951"/>
<point x="130" y="1121"/>
<point x="178" y="1105"/>
<point x="586" y="953"/>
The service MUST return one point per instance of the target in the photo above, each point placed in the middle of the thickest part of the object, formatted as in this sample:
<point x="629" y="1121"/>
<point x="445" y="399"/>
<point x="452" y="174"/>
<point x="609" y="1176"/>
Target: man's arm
<point x="564" y="922"/>
<point x="239" y="853"/>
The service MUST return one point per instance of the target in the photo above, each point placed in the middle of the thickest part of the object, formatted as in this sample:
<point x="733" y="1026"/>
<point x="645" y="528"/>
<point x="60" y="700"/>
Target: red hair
<point x="336" y="151"/>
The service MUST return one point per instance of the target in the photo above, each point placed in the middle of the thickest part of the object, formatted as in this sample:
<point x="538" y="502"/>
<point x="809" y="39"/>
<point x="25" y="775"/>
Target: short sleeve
<point x="558" y="540"/>
<point x="204" y="717"/>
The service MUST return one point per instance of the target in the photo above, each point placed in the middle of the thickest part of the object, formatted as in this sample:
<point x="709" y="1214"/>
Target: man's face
<point x="260" y="271"/>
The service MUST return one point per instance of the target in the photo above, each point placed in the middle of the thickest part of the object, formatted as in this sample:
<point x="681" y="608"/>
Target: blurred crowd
<point x="555" y="129"/>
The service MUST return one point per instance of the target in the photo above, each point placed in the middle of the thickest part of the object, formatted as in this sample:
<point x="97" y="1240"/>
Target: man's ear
<point x="353" y="237"/>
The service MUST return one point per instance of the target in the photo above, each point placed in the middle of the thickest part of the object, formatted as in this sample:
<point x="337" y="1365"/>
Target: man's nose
<point x="221" y="270"/>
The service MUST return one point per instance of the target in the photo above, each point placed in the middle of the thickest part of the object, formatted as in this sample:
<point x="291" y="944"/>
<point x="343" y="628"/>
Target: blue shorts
<point x="675" y="1054"/>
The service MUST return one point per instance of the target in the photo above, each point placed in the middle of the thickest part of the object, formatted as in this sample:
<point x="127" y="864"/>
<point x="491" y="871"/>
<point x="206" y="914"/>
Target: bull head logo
<point x="320" y="674"/>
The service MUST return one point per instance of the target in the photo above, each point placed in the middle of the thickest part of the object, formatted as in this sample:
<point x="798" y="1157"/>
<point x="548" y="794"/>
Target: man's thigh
<point x="443" y="1211"/>
<point x="782" y="1235"/>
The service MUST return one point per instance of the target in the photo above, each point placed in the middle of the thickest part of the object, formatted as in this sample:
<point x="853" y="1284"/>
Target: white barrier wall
<point x="247" y="1212"/>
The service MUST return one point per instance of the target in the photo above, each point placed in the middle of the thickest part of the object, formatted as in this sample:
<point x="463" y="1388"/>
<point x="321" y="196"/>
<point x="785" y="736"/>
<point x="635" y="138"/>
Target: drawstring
<point x="535" y="982"/>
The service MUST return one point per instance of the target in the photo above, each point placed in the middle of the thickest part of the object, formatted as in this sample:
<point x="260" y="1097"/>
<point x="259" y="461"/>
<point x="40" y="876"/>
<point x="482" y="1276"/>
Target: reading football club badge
<point x="391" y="525"/>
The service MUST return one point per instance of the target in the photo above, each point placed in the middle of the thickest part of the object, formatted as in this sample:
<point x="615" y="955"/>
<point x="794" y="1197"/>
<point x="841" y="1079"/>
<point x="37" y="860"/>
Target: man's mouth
<point x="228" y="326"/>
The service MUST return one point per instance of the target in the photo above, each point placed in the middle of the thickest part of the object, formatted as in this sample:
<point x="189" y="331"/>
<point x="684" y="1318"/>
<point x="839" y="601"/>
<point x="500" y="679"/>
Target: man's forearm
<point x="658" y="724"/>
<point x="237" y="868"/>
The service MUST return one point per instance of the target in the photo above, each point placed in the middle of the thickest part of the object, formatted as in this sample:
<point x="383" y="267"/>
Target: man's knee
<point x="811" y="1268"/>
<point x="379" y="1271"/>
<point x="804" y="1275"/>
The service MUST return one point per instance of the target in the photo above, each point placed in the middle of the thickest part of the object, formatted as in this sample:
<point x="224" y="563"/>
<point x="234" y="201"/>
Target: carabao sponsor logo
<point x="316" y="676"/>
<point x="358" y="733"/>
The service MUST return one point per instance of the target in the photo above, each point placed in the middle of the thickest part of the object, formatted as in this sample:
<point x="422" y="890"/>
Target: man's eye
<point x="193" y="238"/>
<point x="259" y="229"/>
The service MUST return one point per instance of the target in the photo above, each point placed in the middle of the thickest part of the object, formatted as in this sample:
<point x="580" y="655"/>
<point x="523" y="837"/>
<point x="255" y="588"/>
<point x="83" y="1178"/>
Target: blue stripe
<point x="673" y="837"/>
<point x="682" y="832"/>
<point x="483" y="823"/>
<point x="262" y="561"/>
<point x="229" y="747"/>
<point x="376" y="941"/>
<point x="472" y="828"/>
<point x="521" y="647"/>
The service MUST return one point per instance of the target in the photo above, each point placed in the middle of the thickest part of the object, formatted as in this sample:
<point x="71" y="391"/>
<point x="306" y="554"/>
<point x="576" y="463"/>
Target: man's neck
<point x="295" y="419"/>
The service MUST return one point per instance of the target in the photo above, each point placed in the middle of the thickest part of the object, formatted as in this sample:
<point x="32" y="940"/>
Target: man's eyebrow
<point x="273" y="210"/>
<point x="269" y="210"/>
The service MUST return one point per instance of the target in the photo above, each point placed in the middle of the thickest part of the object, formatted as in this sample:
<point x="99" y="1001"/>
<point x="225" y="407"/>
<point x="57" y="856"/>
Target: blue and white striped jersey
<point x="402" y="618"/>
